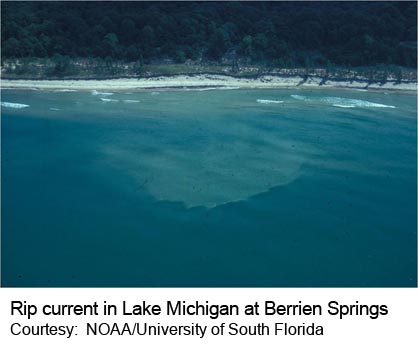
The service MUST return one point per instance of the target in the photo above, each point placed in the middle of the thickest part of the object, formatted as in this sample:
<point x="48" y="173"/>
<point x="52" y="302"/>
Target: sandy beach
<point x="202" y="81"/>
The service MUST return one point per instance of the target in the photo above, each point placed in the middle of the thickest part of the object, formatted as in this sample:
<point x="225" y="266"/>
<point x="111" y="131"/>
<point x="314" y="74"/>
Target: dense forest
<point x="282" y="34"/>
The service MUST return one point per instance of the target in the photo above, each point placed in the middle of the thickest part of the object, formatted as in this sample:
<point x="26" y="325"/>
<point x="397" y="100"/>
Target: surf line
<point x="195" y="329"/>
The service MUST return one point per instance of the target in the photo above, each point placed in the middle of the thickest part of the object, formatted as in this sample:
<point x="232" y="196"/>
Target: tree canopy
<point x="283" y="33"/>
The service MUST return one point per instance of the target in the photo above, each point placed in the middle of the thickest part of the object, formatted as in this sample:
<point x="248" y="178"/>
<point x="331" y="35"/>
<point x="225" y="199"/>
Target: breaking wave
<point x="343" y="102"/>
<point x="130" y="101"/>
<point x="217" y="88"/>
<point x="13" y="105"/>
<point x="105" y="94"/>
<point x="108" y="100"/>
<point x="265" y="101"/>
<point x="343" y="106"/>
<point x="299" y="97"/>
<point x="355" y="102"/>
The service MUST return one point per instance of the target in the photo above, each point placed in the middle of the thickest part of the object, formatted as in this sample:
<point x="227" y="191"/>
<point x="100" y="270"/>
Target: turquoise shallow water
<point x="209" y="188"/>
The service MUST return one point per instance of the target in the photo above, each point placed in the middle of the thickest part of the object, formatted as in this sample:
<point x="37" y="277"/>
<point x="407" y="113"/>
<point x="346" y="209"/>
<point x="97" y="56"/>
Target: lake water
<point x="267" y="187"/>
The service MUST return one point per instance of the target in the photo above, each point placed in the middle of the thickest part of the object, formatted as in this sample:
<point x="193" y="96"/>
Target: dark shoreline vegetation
<point x="371" y="42"/>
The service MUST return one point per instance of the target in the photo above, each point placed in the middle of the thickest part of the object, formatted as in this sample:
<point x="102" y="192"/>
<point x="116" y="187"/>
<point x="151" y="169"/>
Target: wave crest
<point x="343" y="102"/>
<point x="108" y="100"/>
<point x="13" y="105"/>
<point x="343" y="106"/>
<point x="105" y="94"/>
<point x="266" y="101"/>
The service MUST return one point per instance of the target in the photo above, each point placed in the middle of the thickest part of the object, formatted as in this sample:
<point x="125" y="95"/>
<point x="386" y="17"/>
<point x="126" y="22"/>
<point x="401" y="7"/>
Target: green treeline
<point x="283" y="34"/>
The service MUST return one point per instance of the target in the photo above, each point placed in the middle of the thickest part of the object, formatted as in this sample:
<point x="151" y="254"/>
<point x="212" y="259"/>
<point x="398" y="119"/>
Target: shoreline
<point x="202" y="82"/>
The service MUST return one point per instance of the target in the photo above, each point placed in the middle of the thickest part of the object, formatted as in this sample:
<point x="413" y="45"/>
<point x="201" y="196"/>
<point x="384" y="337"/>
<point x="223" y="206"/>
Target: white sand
<point x="196" y="81"/>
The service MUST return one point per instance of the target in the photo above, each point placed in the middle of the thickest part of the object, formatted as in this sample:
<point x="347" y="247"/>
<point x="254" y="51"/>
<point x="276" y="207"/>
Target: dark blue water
<point x="209" y="188"/>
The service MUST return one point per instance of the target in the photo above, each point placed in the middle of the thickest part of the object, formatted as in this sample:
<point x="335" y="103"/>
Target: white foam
<point x="54" y="109"/>
<point x="216" y="88"/>
<point x="344" y="106"/>
<point x="266" y="101"/>
<point x="65" y="90"/>
<point x="343" y="102"/>
<point x="299" y="97"/>
<point x="108" y="100"/>
<point x="95" y="92"/>
<point x="130" y="101"/>
<point x="229" y="88"/>
<point x="13" y="105"/>
<point x="355" y="102"/>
